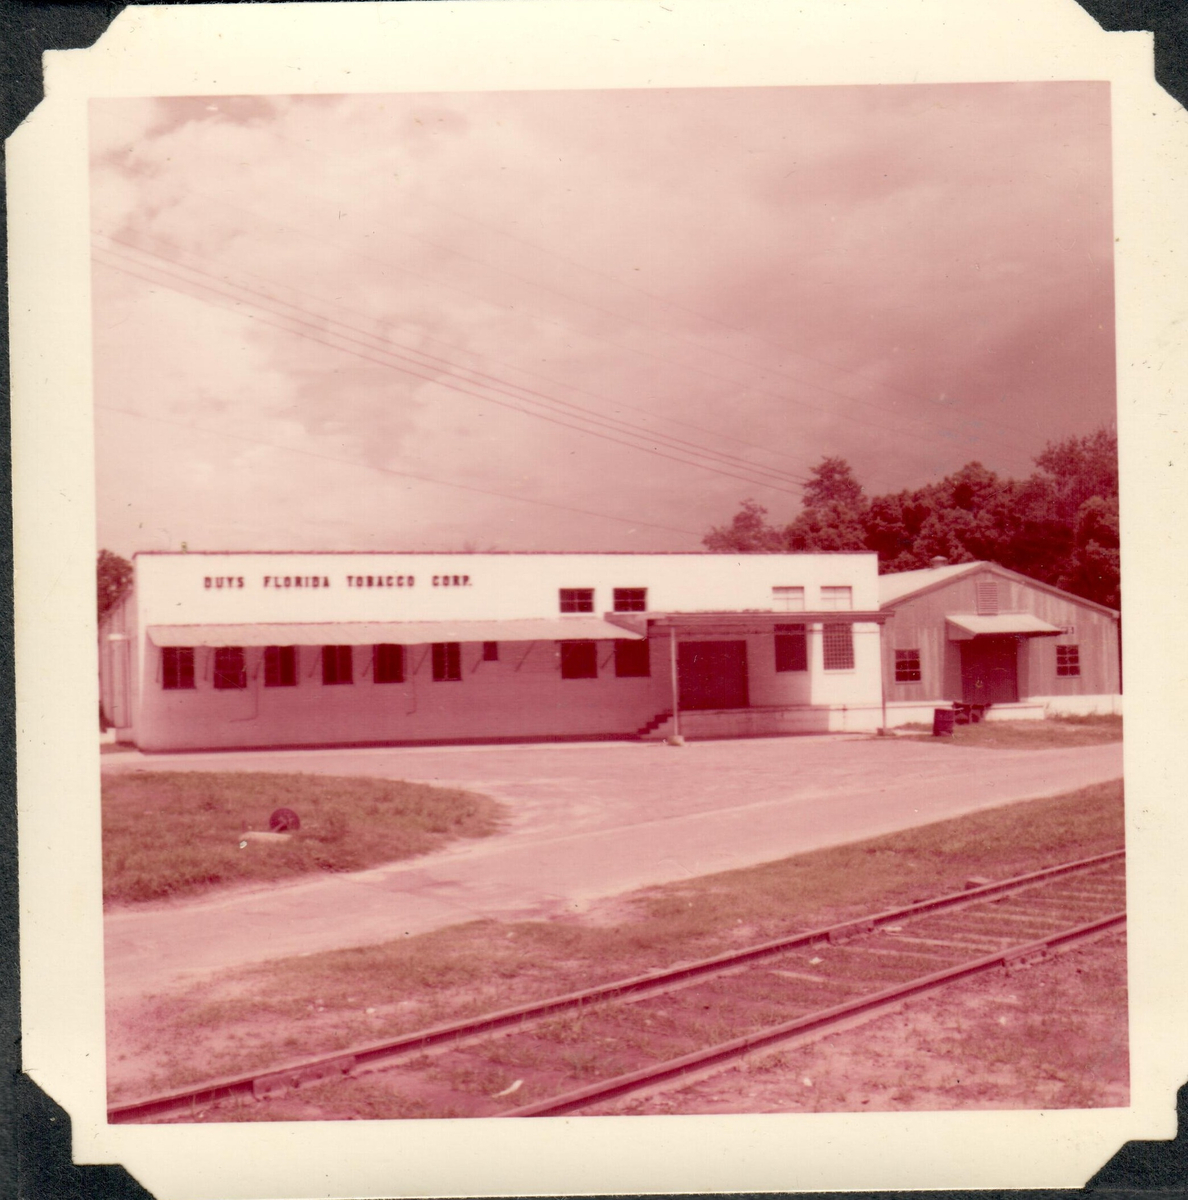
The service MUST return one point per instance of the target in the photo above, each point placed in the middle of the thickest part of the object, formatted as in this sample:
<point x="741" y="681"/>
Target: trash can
<point x="942" y="722"/>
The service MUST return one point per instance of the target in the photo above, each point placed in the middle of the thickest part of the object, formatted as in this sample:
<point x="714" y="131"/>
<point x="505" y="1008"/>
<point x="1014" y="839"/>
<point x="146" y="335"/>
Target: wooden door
<point x="713" y="674"/>
<point x="990" y="670"/>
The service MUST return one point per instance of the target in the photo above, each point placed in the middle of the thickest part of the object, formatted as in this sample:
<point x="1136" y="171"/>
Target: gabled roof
<point x="904" y="583"/>
<point x="897" y="587"/>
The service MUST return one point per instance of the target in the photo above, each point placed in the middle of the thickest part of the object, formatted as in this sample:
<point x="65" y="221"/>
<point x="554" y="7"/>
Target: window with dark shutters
<point x="791" y="648"/>
<point x="230" y="669"/>
<point x="389" y="663"/>
<point x="337" y="665"/>
<point x="177" y="668"/>
<point x="280" y="666"/>
<point x="447" y="662"/>
<point x="632" y="659"/>
<point x="579" y="660"/>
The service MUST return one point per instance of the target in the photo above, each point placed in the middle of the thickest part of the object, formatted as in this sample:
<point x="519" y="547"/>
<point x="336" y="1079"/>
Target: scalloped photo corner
<point x="577" y="572"/>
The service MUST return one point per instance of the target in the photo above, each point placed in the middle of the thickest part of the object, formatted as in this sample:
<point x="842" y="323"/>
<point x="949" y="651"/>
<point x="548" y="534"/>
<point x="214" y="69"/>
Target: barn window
<point x="177" y="668"/>
<point x="1068" y="660"/>
<point x="632" y="660"/>
<point x="280" y="666"/>
<point x="579" y="660"/>
<point x="791" y="648"/>
<point x="490" y="652"/>
<point x="630" y="599"/>
<point x="447" y="662"/>
<point x="787" y="599"/>
<point x="389" y="663"/>
<point x="987" y="597"/>
<point x="577" y="600"/>
<point x="230" y="670"/>
<point x="837" y="599"/>
<point x="838" y="642"/>
<point x="337" y="665"/>
<point x="907" y="666"/>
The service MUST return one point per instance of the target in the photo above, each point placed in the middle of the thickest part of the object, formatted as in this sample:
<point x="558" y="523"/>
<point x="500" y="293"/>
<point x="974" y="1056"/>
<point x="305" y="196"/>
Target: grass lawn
<point x="1051" y="733"/>
<point x="261" y="1015"/>
<point x="171" y="832"/>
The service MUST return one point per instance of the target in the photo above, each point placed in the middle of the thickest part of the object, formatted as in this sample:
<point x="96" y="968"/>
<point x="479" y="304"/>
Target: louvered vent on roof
<point x="987" y="590"/>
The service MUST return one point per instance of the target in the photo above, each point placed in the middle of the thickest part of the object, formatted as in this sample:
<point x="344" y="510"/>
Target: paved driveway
<point x="587" y="820"/>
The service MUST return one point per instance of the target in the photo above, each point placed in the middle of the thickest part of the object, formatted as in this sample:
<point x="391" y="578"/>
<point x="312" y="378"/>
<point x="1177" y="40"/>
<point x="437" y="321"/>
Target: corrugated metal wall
<point x="919" y="624"/>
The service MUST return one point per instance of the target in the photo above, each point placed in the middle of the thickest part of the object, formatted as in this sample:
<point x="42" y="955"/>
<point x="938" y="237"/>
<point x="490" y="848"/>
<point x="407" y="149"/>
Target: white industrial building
<point x="218" y="650"/>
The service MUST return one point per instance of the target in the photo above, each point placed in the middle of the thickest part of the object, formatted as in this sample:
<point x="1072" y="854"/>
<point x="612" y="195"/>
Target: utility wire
<point x="172" y="280"/>
<point x="783" y="398"/>
<point x="355" y="465"/>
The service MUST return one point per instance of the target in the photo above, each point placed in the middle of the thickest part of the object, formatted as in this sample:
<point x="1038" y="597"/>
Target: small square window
<point x="1068" y="660"/>
<point x="447" y="662"/>
<point x="177" y="668"/>
<point x="791" y="648"/>
<point x="230" y="670"/>
<point x="579" y="660"/>
<point x="632" y="659"/>
<point x="490" y="652"/>
<point x="630" y="599"/>
<point x="838" y="642"/>
<point x="337" y="665"/>
<point x="787" y="599"/>
<point x="907" y="666"/>
<point x="280" y="666"/>
<point x="577" y="600"/>
<point x="389" y="663"/>
<point x="837" y="599"/>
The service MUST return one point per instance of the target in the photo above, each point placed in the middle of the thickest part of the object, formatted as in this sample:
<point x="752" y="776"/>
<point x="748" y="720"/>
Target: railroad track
<point x="585" y="1048"/>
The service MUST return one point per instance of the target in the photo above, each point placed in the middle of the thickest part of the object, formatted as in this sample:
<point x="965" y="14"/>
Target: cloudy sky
<point x="583" y="320"/>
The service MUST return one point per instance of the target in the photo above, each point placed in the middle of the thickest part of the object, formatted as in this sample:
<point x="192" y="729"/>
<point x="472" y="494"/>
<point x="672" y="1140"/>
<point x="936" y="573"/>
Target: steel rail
<point x="344" y="1062"/>
<point x="646" y="1077"/>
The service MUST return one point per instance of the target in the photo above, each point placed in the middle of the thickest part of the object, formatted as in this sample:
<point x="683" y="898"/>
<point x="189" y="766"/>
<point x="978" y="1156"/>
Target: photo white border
<point x="533" y="45"/>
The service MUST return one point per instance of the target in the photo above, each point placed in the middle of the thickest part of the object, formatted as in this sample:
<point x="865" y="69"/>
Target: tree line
<point x="1059" y="525"/>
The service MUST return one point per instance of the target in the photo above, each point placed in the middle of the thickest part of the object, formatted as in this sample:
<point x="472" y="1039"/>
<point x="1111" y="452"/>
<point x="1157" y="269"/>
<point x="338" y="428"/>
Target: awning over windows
<point x="402" y="633"/>
<point x="963" y="626"/>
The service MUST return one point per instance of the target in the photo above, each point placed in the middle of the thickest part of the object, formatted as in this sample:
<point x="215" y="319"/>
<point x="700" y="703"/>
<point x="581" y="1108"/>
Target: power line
<point x="445" y="382"/>
<point x="355" y="464"/>
<point x="865" y="422"/>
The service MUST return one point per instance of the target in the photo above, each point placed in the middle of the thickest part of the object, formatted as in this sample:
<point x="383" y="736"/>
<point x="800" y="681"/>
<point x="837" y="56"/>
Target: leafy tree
<point x="1059" y="525"/>
<point x="748" y="533"/>
<point x="114" y="576"/>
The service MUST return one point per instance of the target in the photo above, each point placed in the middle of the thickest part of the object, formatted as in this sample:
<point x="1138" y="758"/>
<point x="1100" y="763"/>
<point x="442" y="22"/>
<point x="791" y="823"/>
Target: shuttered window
<point x="579" y="660"/>
<point x="337" y="665"/>
<point x="447" y="662"/>
<point x="177" y="668"/>
<point x="389" y="663"/>
<point x="280" y="666"/>
<point x="791" y="648"/>
<point x="632" y="659"/>
<point x="987" y="597"/>
<point x="230" y="669"/>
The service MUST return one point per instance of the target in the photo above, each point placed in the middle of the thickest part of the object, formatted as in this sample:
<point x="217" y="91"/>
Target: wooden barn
<point x="977" y="634"/>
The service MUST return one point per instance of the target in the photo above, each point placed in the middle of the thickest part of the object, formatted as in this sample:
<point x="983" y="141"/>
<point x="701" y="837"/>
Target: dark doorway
<point x="713" y="674"/>
<point x="989" y="670"/>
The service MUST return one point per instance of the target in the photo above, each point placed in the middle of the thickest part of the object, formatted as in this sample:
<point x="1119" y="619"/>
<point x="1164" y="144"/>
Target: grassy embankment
<point x="1050" y="734"/>
<point x="259" y="1016"/>
<point x="170" y="833"/>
